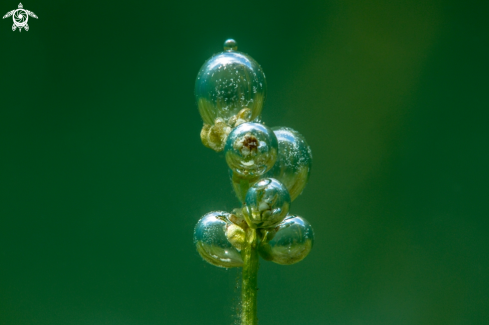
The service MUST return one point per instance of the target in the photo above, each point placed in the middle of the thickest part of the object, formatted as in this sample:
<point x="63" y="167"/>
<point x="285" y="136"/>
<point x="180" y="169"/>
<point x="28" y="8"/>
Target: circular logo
<point x="20" y="17"/>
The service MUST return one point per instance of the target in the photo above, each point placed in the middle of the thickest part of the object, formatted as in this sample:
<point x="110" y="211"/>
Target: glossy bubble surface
<point x="251" y="150"/>
<point x="288" y="243"/>
<point x="267" y="203"/>
<point x="227" y="83"/>
<point x="294" y="161"/>
<point x="212" y="243"/>
<point x="241" y="185"/>
<point x="230" y="45"/>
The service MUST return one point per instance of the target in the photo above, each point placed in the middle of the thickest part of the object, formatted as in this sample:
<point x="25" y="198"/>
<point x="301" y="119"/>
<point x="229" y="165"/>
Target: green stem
<point x="250" y="279"/>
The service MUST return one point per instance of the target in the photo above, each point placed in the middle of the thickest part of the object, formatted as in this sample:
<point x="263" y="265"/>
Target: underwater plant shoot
<point x="269" y="168"/>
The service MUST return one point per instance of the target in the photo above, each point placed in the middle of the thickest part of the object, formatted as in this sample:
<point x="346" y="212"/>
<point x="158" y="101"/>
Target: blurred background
<point x="103" y="175"/>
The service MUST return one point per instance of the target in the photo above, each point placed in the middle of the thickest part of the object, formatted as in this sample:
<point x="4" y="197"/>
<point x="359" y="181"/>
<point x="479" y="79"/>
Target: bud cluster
<point x="269" y="167"/>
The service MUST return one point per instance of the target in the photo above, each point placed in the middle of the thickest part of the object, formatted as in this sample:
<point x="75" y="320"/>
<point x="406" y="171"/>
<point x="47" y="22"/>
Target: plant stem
<point x="250" y="279"/>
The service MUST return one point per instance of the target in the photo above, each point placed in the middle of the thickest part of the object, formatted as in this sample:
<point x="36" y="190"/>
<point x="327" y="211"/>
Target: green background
<point x="103" y="176"/>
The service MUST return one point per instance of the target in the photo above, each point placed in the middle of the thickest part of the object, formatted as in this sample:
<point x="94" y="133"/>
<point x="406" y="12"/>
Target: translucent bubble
<point x="227" y="83"/>
<point x="288" y="243"/>
<point x="251" y="150"/>
<point x="266" y="203"/>
<point x="212" y="243"/>
<point x="241" y="185"/>
<point x="230" y="45"/>
<point x="294" y="161"/>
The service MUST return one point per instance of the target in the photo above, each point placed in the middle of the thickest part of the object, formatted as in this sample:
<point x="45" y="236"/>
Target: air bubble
<point x="230" y="45"/>
<point x="212" y="243"/>
<point x="266" y="203"/>
<point x="294" y="161"/>
<point x="251" y="150"/>
<point x="288" y="243"/>
<point x="212" y="88"/>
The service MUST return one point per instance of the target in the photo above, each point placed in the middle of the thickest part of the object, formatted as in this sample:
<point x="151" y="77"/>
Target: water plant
<point x="269" y="168"/>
